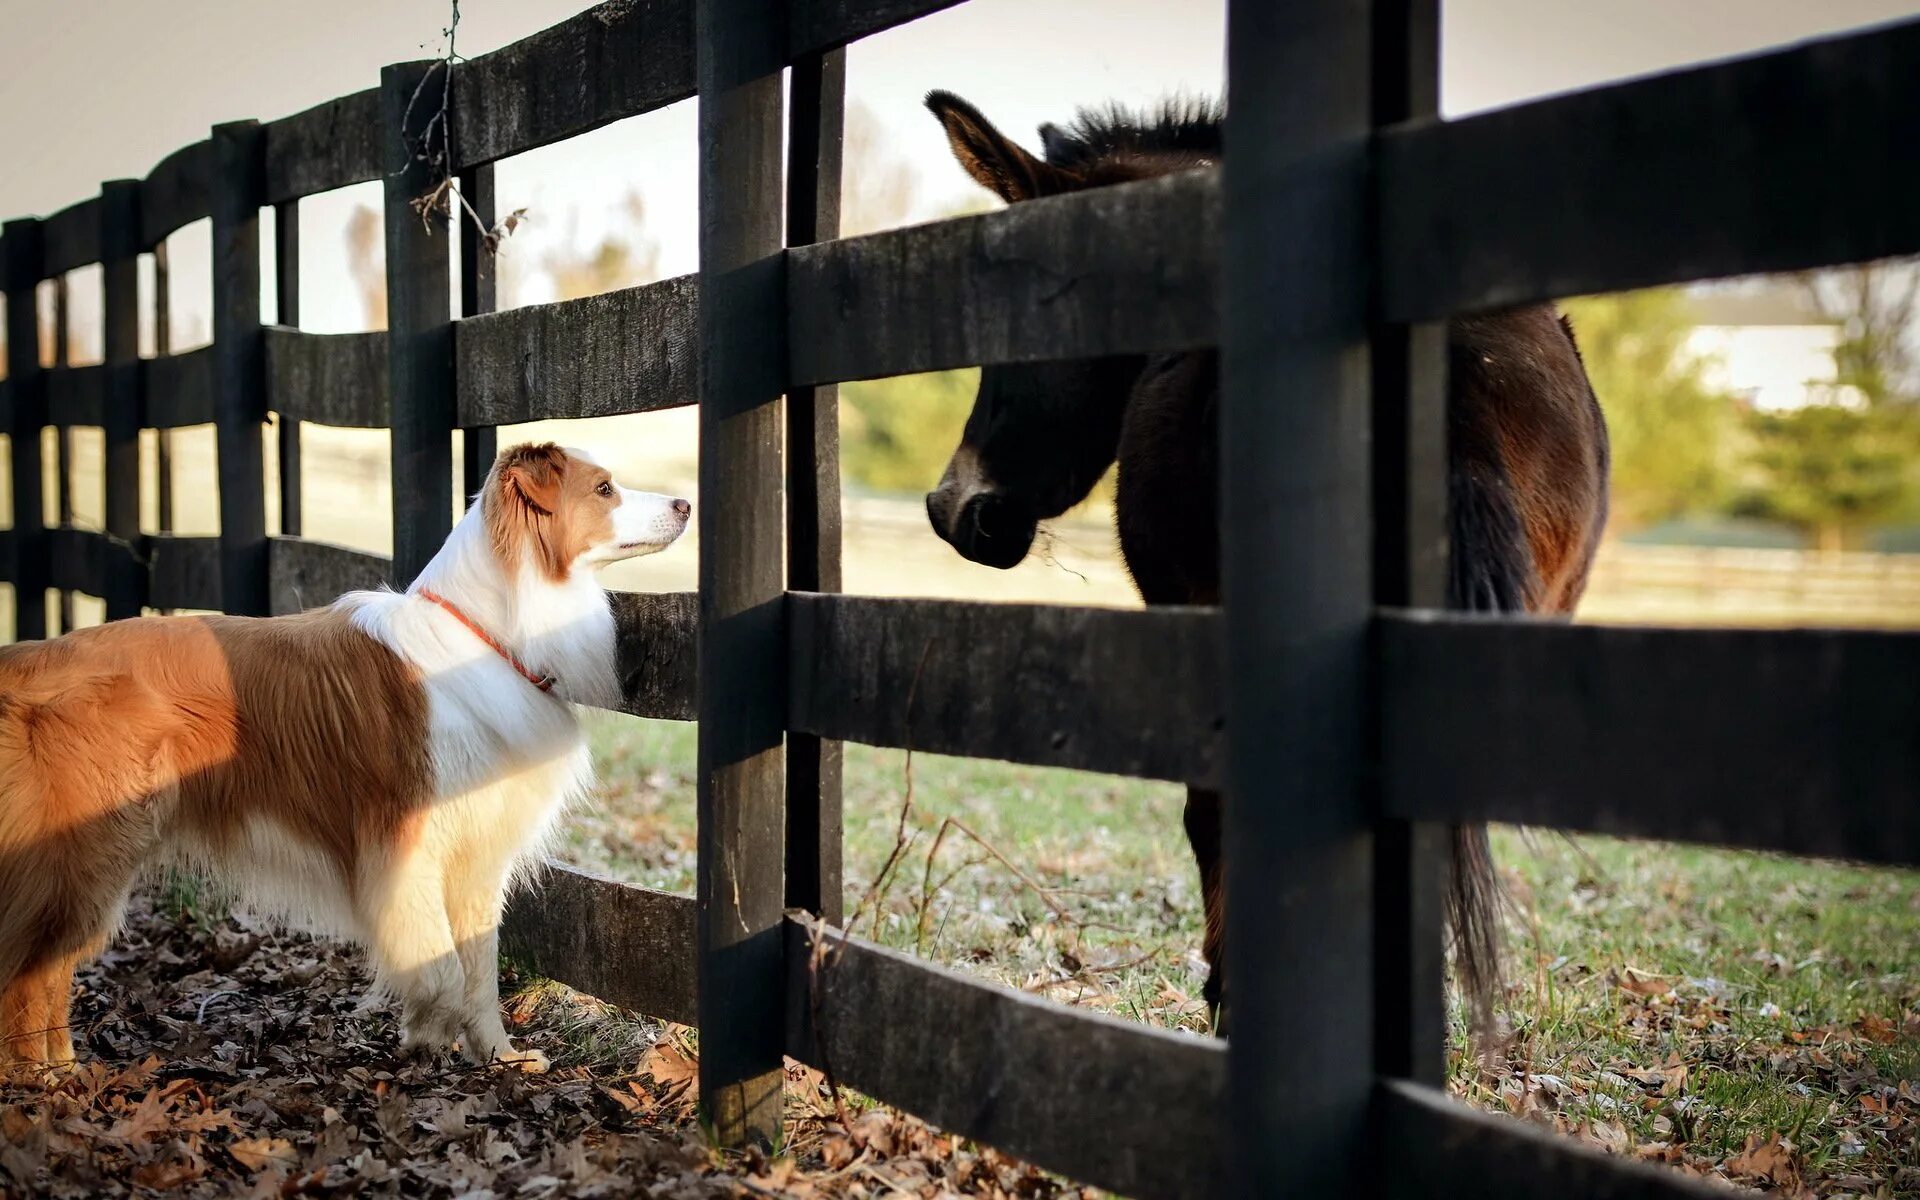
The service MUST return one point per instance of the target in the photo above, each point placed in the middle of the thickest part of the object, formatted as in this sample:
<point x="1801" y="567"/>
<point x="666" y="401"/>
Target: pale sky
<point x="97" y="89"/>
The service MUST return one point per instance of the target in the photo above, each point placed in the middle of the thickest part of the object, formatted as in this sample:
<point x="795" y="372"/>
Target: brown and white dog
<point x="382" y="769"/>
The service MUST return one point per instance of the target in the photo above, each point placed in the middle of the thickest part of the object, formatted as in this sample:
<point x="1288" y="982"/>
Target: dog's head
<point x="559" y="510"/>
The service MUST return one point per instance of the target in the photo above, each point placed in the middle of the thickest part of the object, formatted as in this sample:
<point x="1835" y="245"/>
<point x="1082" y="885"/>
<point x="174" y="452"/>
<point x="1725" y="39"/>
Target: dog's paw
<point x="533" y="1062"/>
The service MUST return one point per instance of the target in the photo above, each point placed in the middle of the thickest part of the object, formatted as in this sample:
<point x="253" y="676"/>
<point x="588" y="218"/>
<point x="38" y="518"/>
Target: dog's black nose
<point x="682" y="507"/>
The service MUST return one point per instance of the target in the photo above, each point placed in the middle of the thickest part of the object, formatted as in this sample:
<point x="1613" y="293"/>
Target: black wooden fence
<point x="1348" y="221"/>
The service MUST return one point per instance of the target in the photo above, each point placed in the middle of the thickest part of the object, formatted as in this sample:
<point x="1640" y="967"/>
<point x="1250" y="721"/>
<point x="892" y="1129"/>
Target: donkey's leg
<point x="1203" y="834"/>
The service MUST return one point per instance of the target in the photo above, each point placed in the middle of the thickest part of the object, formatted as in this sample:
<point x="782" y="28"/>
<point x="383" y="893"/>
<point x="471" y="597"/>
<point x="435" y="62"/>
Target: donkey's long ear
<point x="995" y="161"/>
<point x="531" y="474"/>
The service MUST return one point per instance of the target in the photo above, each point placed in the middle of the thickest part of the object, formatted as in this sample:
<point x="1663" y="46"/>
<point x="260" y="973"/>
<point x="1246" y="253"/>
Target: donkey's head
<point x="1041" y="434"/>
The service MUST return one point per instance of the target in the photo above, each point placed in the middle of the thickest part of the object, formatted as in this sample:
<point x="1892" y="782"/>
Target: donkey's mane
<point x="1179" y="124"/>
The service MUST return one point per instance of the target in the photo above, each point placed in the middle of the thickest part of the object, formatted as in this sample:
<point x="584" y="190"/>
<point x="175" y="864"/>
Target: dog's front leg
<point x="475" y="913"/>
<point x="414" y="953"/>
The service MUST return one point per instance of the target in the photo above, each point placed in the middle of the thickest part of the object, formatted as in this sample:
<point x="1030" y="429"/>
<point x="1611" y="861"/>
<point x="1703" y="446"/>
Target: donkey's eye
<point x="605" y="488"/>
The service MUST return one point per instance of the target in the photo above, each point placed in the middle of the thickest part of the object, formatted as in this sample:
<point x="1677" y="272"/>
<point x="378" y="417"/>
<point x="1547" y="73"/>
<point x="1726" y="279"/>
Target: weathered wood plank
<point x="1409" y="478"/>
<point x="71" y="238"/>
<point x="175" y="192"/>
<point x="420" y="368"/>
<point x="239" y="367"/>
<point x="817" y="83"/>
<point x="1803" y="741"/>
<point x="1131" y="693"/>
<point x="742" y="790"/>
<point x="177" y="389"/>
<point x="6" y="397"/>
<point x="1443" y="1148"/>
<point x="615" y="60"/>
<point x="659" y="659"/>
<point x="20" y="277"/>
<point x="304" y="574"/>
<point x="1115" y="270"/>
<point x="331" y="145"/>
<point x="286" y="289"/>
<point x="815" y="26"/>
<point x="328" y="378"/>
<point x="183" y="572"/>
<point x="479" y="280"/>
<point x="1295" y="556"/>
<point x="634" y="350"/>
<point x="629" y="946"/>
<point x="78" y="560"/>
<point x="75" y="395"/>
<point x="1830" y="125"/>
<point x="120" y="420"/>
<point x="1112" y="1103"/>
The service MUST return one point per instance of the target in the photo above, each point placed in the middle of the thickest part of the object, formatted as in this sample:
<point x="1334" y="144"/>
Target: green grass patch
<point x="1665" y="1001"/>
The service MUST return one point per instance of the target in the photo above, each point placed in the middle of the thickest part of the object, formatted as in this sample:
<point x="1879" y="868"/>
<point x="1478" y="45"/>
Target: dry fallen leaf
<point x="255" y="1153"/>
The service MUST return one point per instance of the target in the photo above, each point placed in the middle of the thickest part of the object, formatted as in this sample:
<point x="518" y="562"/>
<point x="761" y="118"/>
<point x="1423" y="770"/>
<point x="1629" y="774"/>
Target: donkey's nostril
<point x="682" y="507"/>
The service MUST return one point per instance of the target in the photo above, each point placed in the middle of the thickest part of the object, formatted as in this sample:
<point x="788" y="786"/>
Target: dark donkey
<point x="1527" y="468"/>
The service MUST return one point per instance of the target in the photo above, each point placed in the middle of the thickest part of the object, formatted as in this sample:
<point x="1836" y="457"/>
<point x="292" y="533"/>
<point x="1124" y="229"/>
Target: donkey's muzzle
<point x="987" y="529"/>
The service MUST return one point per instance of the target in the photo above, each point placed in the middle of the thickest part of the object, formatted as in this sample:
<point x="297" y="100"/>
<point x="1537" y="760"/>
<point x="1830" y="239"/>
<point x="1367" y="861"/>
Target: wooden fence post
<point x="62" y="439"/>
<point x="479" y="444"/>
<point x="286" y="291"/>
<point x="163" y="345"/>
<point x="419" y="323"/>
<point x="1409" y="571"/>
<point x="22" y="241"/>
<point x="742" y="701"/>
<point x="1295" y="536"/>
<point x="817" y="129"/>
<point x="238" y="188"/>
<point x="120" y="352"/>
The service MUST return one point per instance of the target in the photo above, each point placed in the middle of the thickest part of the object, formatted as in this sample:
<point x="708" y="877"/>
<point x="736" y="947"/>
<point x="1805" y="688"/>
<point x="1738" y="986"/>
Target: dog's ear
<point x="531" y="475"/>
<point x="995" y="161"/>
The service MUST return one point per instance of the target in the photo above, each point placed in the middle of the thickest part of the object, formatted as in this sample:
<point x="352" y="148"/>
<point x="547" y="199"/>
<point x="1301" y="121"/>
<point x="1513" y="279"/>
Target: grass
<point x="1674" y="1002"/>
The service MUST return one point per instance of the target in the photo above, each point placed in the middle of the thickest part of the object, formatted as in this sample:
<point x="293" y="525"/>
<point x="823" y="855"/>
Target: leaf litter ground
<point x="228" y="1058"/>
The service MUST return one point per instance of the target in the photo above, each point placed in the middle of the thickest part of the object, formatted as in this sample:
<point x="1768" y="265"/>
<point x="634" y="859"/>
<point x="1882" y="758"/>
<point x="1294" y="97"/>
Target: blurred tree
<point x="367" y="263"/>
<point x="1876" y="306"/>
<point x="624" y="256"/>
<point x="1668" y="428"/>
<point x="896" y="433"/>
<point x="1832" y="470"/>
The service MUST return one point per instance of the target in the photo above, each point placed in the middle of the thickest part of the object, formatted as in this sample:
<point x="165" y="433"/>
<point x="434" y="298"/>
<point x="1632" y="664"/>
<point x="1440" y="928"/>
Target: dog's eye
<point x="605" y="488"/>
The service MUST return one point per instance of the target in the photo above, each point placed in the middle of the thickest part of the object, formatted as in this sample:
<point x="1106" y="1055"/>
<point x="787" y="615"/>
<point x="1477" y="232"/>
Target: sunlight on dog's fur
<point x="382" y="769"/>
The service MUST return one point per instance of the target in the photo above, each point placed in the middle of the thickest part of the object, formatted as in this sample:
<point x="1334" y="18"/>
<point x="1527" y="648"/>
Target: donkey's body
<point x="1527" y="459"/>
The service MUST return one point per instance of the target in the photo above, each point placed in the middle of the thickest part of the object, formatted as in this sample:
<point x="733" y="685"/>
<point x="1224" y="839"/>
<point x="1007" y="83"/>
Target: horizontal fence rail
<point x="1443" y="1148"/>
<point x="1781" y="162"/>
<point x="1118" y="270"/>
<point x="627" y="945"/>
<point x="331" y="145"/>
<point x="617" y="60"/>
<point x="176" y="193"/>
<point x="1803" y="741"/>
<point x="71" y="238"/>
<point x="328" y="378"/>
<point x="1121" y="1105"/>
<point x="622" y="352"/>
<point x="178" y="389"/>
<point x="1129" y="693"/>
